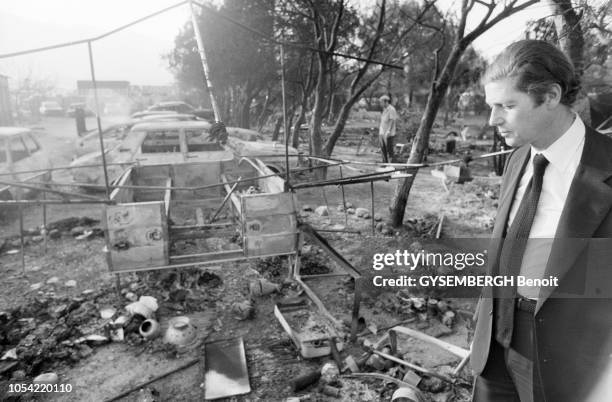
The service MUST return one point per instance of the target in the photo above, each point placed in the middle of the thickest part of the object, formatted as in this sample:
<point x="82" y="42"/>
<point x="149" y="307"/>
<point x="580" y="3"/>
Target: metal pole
<point x="343" y="201"/>
<point x="229" y="194"/>
<point x="22" y="241"/>
<point x="348" y="180"/>
<point x="95" y="87"/>
<point x="326" y="204"/>
<point x="282" y="60"/>
<point x="356" y="307"/>
<point x="64" y="168"/>
<point x="209" y="86"/>
<point x="372" y="192"/>
<point x="118" y="286"/>
<point x="47" y="190"/>
<point x="59" y="202"/>
<point x="44" y="227"/>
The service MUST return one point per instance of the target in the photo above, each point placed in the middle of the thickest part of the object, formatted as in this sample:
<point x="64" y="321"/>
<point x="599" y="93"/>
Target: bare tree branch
<point x="486" y="25"/>
<point x="336" y="27"/>
<point x="379" y="29"/>
<point x="462" y="19"/>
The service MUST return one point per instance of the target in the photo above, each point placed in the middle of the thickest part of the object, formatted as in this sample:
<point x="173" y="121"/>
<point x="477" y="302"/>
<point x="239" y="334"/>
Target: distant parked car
<point x="144" y="113"/>
<point x="21" y="152"/>
<point x="182" y="107"/>
<point x="71" y="111"/>
<point x="116" y="109"/>
<point x="272" y="154"/>
<point x="51" y="108"/>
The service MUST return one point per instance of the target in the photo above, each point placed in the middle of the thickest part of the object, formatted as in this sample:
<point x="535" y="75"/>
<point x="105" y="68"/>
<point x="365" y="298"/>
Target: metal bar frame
<point x="200" y="263"/>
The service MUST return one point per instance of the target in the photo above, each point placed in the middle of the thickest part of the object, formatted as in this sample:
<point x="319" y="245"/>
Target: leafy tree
<point x="241" y="64"/>
<point x="330" y="21"/>
<point x="581" y="30"/>
<point x="340" y="30"/>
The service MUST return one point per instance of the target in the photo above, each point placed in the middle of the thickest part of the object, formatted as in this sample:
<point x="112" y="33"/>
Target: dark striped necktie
<point x="513" y="249"/>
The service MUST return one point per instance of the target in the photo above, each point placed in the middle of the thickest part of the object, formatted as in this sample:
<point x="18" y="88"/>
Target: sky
<point x="135" y="53"/>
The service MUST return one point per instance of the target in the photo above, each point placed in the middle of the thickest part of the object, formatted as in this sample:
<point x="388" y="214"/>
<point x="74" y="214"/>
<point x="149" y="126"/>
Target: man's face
<point x="516" y="115"/>
<point x="385" y="102"/>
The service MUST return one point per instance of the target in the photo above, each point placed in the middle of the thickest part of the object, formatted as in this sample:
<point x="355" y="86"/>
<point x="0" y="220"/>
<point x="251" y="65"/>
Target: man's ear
<point x="553" y="96"/>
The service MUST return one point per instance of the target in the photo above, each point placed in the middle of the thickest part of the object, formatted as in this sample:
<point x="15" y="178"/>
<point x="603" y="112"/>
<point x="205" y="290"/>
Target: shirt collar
<point x="560" y="153"/>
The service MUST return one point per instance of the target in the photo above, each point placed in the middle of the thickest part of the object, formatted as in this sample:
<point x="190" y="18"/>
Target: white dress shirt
<point x="563" y="156"/>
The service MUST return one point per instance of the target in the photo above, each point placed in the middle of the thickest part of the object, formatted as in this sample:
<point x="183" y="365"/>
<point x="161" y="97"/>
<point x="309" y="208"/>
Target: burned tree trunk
<point x="420" y="144"/>
<point x="295" y="139"/>
<point x="277" y="127"/>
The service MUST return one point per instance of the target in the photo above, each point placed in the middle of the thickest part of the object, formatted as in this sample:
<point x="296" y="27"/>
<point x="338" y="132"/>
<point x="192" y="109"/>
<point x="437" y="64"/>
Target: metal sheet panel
<point x="225" y="373"/>
<point x="137" y="235"/>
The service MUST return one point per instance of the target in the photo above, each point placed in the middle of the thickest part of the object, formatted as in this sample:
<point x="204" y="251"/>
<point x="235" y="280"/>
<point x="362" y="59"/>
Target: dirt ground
<point x="50" y="315"/>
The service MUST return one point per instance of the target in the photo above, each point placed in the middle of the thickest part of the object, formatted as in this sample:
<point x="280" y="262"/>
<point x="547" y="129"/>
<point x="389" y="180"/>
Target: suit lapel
<point x="512" y="177"/>
<point x="588" y="202"/>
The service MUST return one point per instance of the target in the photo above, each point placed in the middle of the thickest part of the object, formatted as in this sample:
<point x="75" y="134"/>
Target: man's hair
<point x="535" y="65"/>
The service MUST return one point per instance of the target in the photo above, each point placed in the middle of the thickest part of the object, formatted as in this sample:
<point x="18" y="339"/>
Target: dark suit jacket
<point x="573" y="335"/>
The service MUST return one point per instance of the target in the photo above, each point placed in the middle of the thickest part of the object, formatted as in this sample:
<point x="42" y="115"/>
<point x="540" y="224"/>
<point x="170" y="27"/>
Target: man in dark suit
<point x="550" y="342"/>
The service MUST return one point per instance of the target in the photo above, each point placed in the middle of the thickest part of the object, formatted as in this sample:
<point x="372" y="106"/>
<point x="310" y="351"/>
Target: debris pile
<point x="48" y="330"/>
<point x="179" y="291"/>
<point x="270" y="267"/>
<point x="424" y="227"/>
<point x="426" y="308"/>
<point x="324" y="210"/>
<point x="79" y="228"/>
<point x="312" y="262"/>
<point x="408" y="307"/>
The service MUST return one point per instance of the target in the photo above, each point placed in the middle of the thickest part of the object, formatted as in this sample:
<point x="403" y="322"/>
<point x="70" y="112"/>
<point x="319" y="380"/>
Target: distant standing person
<point x="386" y="133"/>
<point x="79" y="115"/>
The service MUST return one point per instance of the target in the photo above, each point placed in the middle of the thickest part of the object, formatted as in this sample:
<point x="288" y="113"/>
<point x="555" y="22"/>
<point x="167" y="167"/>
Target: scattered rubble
<point x="330" y="373"/>
<point x="243" y="310"/>
<point x="179" y="291"/>
<point x="46" y="378"/>
<point x="362" y="213"/>
<point x="322" y="210"/>
<point x="82" y="228"/>
<point x="312" y="262"/>
<point x="262" y="287"/>
<point x="424" y="227"/>
<point x="48" y="329"/>
<point x="52" y="280"/>
<point x="180" y="332"/>
<point x="108" y="313"/>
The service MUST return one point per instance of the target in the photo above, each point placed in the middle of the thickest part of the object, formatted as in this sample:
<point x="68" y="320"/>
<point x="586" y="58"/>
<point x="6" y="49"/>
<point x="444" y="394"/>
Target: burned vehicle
<point x="115" y="133"/>
<point x="198" y="212"/>
<point x="151" y="144"/>
<point x="181" y="107"/>
<point x="164" y="142"/>
<point x="21" y="160"/>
